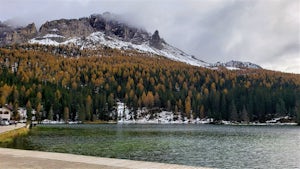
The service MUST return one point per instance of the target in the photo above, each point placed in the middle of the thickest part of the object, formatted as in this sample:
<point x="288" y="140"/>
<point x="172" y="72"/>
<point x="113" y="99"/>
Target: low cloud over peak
<point x="264" y="32"/>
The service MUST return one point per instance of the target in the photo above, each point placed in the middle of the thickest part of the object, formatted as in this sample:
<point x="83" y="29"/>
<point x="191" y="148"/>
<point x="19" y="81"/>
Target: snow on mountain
<point x="236" y="65"/>
<point x="99" y="39"/>
<point x="100" y="30"/>
<point x="53" y="36"/>
<point x="45" y="41"/>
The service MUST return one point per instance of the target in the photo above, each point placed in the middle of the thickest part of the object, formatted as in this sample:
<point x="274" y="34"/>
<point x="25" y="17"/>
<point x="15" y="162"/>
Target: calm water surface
<point x="196" y="145"/>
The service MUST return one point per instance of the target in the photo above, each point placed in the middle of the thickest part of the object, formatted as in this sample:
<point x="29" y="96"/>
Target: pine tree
<point x="245" y="117"/>
<point x="50" y="114"/>
<point x="88" y="108"/>
<point x="28" y="112"/>
<point x="188" y="107"/>
<point x="233" y="112"/>
<point x="202" y="112"/>
<point x="66" y="114"/>
<point x="297" y="109"/>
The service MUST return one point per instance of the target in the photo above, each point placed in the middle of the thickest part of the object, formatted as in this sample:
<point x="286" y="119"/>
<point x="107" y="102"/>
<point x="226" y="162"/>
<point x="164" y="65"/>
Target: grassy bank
<point x="8" y="137"/>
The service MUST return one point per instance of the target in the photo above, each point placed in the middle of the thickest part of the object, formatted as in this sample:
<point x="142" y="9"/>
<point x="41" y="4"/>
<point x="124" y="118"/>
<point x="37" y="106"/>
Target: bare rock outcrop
<point x="9" y="35"/>
<point x="63" y="29"/>
<point x="67" y="27"/>
<point x="156" y="41"/>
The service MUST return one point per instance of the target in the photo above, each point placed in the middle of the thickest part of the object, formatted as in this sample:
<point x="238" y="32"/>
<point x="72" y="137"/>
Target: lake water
<point x="216" y="146"/>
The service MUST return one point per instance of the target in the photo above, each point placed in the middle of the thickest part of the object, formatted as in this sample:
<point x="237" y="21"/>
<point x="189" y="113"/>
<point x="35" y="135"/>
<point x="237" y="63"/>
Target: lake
<point x="218" y="146"/>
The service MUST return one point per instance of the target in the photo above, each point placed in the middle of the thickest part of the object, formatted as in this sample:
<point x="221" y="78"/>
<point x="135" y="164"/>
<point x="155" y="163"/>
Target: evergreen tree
<point x="233" y="112"/>
<point x="188" y="107"/>
<point x="297" y="110"/>
<point x="244" y="116"/>
<point x="66" y="114"/>
<point x="28" y="112"/>
<point x="88" y="108"/>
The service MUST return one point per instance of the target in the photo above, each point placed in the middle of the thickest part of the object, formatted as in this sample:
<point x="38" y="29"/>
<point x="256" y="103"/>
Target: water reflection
<point x="198" y="145"/>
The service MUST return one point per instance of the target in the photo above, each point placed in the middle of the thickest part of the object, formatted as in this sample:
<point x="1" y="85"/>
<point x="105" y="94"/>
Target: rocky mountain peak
<point x="109" y="24"/>
<point x="28" y="32"/>
<point x="113" y="26"/>
<point x="10" y="35"/>
<point x="236" y="64"/>
<point x="156" y="41"/>
<point x="67" y="27"/>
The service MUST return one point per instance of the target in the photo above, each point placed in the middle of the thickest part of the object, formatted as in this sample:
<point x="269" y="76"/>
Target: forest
<point x="64" y="83"/>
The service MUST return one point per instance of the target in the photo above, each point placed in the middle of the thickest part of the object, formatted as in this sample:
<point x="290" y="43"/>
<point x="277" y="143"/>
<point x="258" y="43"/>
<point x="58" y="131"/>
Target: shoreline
<point x="174" y="123"/>
<point x="4" y="129"/>
<point x="22" y="159"/>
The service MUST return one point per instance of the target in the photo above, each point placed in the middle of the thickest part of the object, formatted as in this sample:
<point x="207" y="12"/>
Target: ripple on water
<point x="198" y="145"/>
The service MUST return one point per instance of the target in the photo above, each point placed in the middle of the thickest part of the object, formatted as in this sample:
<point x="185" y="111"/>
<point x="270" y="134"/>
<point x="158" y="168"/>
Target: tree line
<point x="87" y="88"/>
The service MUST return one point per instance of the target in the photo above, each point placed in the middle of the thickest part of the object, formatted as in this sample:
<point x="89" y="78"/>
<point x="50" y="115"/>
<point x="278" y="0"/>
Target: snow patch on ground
<point x="233" y="68"/>
<point x="53" y="36"/>
<point x="45" y="41"/>
<point x="142" y="116"/>
<point x="54" y="30"/>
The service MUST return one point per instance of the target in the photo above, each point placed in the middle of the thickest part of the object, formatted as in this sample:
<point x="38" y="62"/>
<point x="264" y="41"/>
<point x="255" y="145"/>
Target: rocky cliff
<point x="65" y="29"/>
<point x="10" y="35"/>
<point x="106" y="23"/>
<point x="108" y="30"/>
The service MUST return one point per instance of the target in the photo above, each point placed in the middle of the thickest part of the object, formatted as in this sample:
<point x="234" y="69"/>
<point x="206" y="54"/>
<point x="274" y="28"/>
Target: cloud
<point x="266" y="32"/>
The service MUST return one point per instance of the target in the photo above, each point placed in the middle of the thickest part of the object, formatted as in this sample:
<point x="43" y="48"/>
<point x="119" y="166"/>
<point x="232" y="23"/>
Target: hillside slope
<point x="89" y="88"/>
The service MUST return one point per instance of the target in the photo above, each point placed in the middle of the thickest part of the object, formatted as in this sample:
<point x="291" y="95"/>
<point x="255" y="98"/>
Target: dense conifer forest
<point x="71" y="84"/>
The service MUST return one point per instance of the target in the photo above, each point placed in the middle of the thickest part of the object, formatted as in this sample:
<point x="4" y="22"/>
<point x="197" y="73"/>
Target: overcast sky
<point x="265" y="32"/>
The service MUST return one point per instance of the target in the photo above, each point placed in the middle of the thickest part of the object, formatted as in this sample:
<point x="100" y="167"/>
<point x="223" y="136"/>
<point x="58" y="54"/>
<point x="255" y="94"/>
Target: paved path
<point x="4" y="129"/>
<point x="25" y="159"/>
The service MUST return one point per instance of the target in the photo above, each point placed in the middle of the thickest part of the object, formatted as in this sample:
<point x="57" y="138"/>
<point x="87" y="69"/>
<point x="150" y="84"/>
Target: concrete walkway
<point x="4" y="129"/>
<point x="25" y="159"/>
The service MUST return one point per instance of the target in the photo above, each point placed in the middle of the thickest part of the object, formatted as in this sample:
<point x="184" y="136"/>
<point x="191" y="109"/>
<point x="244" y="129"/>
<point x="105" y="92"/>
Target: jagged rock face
<point x="67" y="27"/>
<point x="9" y="35"/>
<point x="108" y="24"/>
<point x="237" y="64"/>
<point x="63" y="29"/>
<point x="156" y="41"/>
<point x="4" y="30"/>
<point x="96" y="32"/>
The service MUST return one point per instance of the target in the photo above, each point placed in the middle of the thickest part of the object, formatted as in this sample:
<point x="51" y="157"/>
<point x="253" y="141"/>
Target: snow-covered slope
<point x="99" y="39"/>
<point x="100" y="30"/>
<point x="236" y="65"/>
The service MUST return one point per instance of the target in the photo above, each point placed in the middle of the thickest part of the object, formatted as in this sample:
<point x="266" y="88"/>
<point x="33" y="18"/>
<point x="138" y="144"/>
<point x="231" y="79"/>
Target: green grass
<point x="8" y="137"/>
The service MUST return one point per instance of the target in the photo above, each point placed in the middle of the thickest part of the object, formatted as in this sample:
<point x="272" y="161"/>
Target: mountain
<point x="235" y="65"/>
<point x="10" y="35"/>
<point x="101" y="31"/>
<point x="58" y="71"/>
